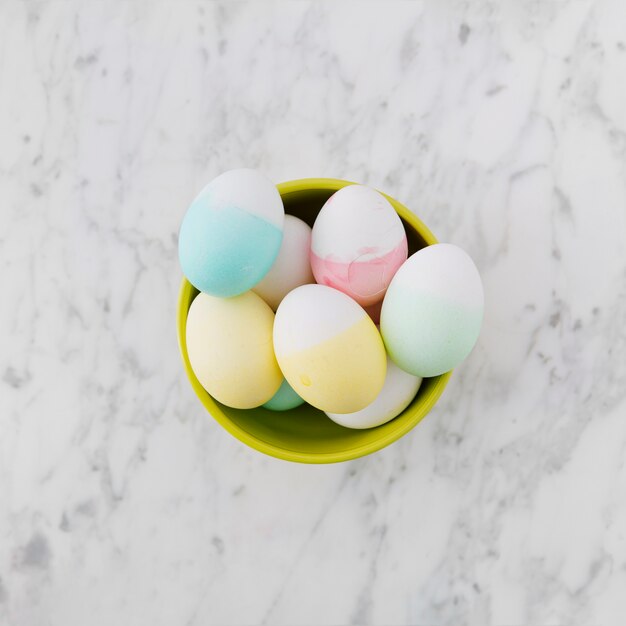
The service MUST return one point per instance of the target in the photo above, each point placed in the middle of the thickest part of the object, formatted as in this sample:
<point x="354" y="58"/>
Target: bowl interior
<point x="305" y="434"/>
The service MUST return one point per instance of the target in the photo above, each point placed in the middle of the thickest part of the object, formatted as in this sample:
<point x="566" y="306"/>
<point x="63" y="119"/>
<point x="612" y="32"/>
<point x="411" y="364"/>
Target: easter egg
<point x="328" y="349"/>
<point x="284" y="399"/>
<point x="229" y="343"/>
<point x="433" y="310"/>
<point x="358" y="243"/>
<point x="292" y="267"/>
<point x="397" y="393"/>
<point x="231" y="233"/>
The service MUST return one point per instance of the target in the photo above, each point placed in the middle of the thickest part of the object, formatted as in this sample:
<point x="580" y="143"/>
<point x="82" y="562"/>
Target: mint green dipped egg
<point x="284" y="399"/>
<point x="433" y="310"/>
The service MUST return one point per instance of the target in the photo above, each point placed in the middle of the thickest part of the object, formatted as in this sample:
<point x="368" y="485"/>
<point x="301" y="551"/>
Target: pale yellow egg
<point x="229" y="343"/>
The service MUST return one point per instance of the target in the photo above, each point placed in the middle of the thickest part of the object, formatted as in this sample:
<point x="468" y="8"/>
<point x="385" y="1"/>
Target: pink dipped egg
<point x="358" y="243"/>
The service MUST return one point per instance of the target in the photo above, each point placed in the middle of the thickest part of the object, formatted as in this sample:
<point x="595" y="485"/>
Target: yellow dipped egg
<point x="229" y="343"/>
<point x="328" y="349"/>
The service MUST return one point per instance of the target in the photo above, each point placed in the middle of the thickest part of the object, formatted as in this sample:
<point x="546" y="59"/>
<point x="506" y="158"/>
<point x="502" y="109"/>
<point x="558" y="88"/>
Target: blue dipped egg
<point x="231" y="233"/>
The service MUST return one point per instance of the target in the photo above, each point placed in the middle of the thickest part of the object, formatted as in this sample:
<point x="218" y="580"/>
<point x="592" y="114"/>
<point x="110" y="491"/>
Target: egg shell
<point x="329" y="349"/>
<point x="433" y="310"/>
<point x="231" y="233"/>
<point x="292" y="266"/>
<point x="397" y="393"/>
<point x="358" y="243"/>
<point x="229" y="343"/>
<point x="284" y="399"/>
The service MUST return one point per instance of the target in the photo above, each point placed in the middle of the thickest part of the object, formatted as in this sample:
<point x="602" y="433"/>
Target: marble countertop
<point x="502" y="125"/>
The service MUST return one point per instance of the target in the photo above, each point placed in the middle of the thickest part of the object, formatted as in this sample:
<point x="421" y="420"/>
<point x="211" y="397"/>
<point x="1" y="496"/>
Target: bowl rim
<point x="427" y="403"/>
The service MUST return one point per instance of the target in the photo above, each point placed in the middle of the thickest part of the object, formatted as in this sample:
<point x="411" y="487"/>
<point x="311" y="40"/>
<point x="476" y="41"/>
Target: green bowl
<point x="305" y="434"/>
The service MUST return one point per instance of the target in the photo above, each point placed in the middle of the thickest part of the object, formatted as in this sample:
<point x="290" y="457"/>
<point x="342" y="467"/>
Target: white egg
<point x="292" y="267"/>
<point x="397" y="393"/>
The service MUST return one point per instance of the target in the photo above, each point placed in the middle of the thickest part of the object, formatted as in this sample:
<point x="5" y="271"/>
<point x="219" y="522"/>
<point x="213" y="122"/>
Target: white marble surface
<point x="503" y="125"/>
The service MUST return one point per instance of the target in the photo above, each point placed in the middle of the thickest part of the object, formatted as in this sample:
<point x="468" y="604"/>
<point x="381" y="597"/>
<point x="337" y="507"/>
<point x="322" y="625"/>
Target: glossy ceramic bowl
<point x="305" y="434"/>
